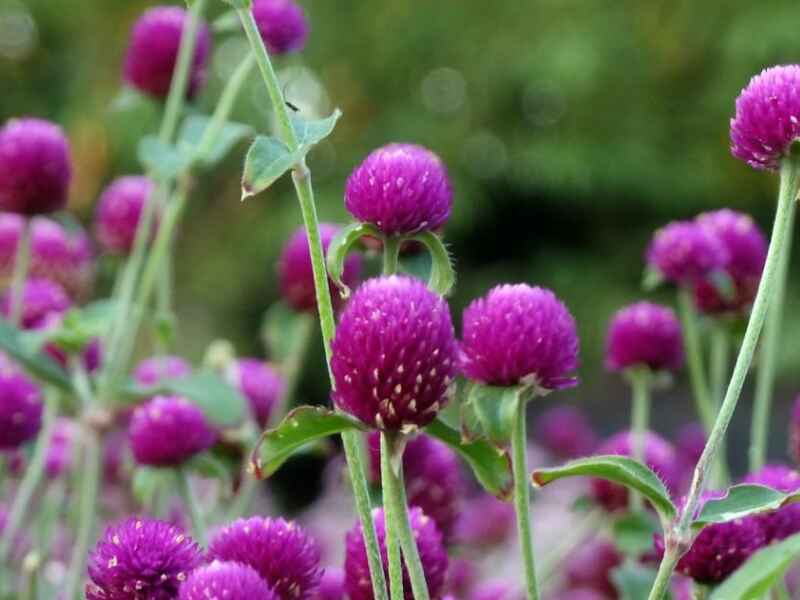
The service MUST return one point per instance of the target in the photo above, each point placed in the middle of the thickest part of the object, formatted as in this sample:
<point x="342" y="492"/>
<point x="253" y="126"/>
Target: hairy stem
<point x="408" y="543"/>
<point x="640" y="422"/>
<point x="522" y="499"/>
<point x="664" y="574"/>
<point x="391" y="517"/>
<point x="22" y="261"/>
<point x="190" y="502"/>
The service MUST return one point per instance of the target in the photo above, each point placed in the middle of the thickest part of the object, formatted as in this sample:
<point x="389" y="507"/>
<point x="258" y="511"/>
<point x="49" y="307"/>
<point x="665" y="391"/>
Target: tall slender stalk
<point x="522" y="498"/>
<point x="191" y="505"/>
<point x="640" y="422"/>
<point x="408" y="543"/>
<point x="390" y="484"/>
<point x="694" y="356"/>
<point x="391" y="251"/>
<point x="720" y="359"/>
<point x="21" y="265"/>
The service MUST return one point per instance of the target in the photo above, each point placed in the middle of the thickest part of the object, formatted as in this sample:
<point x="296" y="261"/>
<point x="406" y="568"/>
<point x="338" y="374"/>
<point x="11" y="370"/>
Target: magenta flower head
<point x="331" y="585"/>
<point x="296" y="274"/>
<point x="141" y="558"/>
<point x="520" y="334"/>
<point x="766" y="122"/>
<point x="432" y="554"/>
<point x="20" y="409"/>
<point x="152" y="370"/>
<point x="644" y="335"/>
<point x="41" y="299"/>
<point x="225" y="581"/>
<point x="168" y="430"/>
<point x="61" y="449"/>
<point x="35" y="167"/>
<point x="683" y="252"/>
<point x="285" y="556"/>
<point x="566" y="432"/>
<point x="260" y="383"/>
<point x="401" y="189"/>
<point x="590" y="566"/>
<point x="485" y="521"/>
<point x="394" y="354"/>
<point x="785" y="521"/>
<point x="153" y="51"/>
<point x="118" y="212"/>
<point x="282" y="25"/>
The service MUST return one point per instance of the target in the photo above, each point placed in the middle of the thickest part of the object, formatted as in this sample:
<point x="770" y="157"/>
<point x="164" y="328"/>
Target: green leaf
<point x="634" y="581"/>
<point x="633" y="533"/>
<point x="754" y="579"/>
<point x="741" y="501"/>
<point x="164" y="161"/>
<point x="30" y="358"/>
<point x="443" y="276"/>
<point x="284" y="331"/>
<point x="195" y="126"/>
<point x="488" y="411"/>
<point x="618" y="469"/>
<point x="311" y="133"/>
<point x="221" y="403"/>
<point x="227" y="22"/>
<point x="81" y="325"/>
<point x="490" y="464"/>
<point x="300" y="427"/>
<point x="340" y="247"/>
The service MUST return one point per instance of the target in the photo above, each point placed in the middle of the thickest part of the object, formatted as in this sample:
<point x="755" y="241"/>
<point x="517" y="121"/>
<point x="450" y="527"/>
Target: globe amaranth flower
<point x="683" y="252"/>
<point x="41" y="299"/>
<point x="394" y="354"/>
<point x="590" y="566"/>
<point x="296" y="274"/>
<point x="260" y="383"/>
<point x="60" y="453"/>
<point x="432" y="554"/>
<point x="785" y="521"/>
<point x="35" y="167"/>
<point x="150" y="371"/>
<point x="153" y="51"/>
<point x="285" y="556"/>
<point x="520" y="334"/>
<point x="767" y="117"/>
<point x="225" y="581"/>
<point x="659" y="455"/>
<point x="644" y="335"/>
<point x="168" y="430"/>
<point x="433" y="478"/>
<point x="141" y="558"/>
<point x="485" y="521"/>
<point x="566" y="432"/>
<point x="331" y="584"/>
<point x="401" y="189"/>
<point x="282" y="24"/>
<point x="119" y="211"/>
<point x="20" y="409"/>
<point x="746" y="247"/>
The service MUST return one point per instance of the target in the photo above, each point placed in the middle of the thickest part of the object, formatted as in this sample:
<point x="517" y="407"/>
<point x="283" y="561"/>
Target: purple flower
<point x="401" y="189"/>
<point x="167" y="430"/>
<point x="153" y="51"/>
<point x="767" y="117"/>
<point x="431" y="552"/>
<point x="61" y="449"/>
<point x="684" y="252"/>
<point x="644" y="335"/>
<point x="281" y="551"/>
<point x="331" y="585"/>
<point x="659" y="455"/>
<point x="260" y="383"/>
<point x="141" y="558"/>
<point x="20" y="408"/>
<point x="152" y="370"/>
<point x="118" y="212"/>
<point x="282" y="24"/>
<point x="296" y="274"/>
<point x="485" y="521"/>
<point x="225" y="581"/>
<point x="590" y="566"/>
<point x="41" y="299"/>
<point x="35" y="167"/>
<point x="565" y="431"/>
<point x="520" y="334"/>
<point x="496" y="589"/>
<point x="394" y="354"/>
<point x="433" y="478"/>
<point x="785" y="521"/>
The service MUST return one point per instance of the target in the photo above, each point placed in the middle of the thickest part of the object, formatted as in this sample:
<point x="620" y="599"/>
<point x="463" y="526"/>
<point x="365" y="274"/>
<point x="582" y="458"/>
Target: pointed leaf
<point x="619" y="469"/>
<point x="741" y="501"/>
<point x="490" y="464"/>
<point x="220" y="402"/>
<point x="301" y="427"/>
<point x="489" y="411"/>
<point x="194" y="128"/>
<point x="311" y="133"/>
<point x="30" y="358"/>
<point x="443" y="276"/>
<point x="164" y="161"/>
<point x="341" y="245"/>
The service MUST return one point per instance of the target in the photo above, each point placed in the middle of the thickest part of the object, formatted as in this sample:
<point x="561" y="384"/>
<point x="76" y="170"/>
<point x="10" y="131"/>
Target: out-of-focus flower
<point x="21" y="408"/>
<point x="260" y="383"/>
<point x="565" y="431"/>
<point x="644" y="335"/>
<point x="225" y="581"/>
<point x="119" y="211"/>
<point x="282" y="24"/>
<point x="684" y="252"/>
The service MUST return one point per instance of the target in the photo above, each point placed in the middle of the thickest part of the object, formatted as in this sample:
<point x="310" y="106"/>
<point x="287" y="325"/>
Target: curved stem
<point x="767" y="367"/>
<point x="720" y="358"/>
<point x="694" y="356"/>
<point x="190" y="502"/>
<point x="640" y="421"/>
<point x="21" y="265"/>
<point x="522" y="498"/>
<point x="664" y="574"/>
<point x="390" y="484"/>
<point x="391" y="252"/>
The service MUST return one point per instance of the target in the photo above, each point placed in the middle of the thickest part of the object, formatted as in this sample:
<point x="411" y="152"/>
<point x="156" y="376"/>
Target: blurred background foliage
<point x="572" y="128"/>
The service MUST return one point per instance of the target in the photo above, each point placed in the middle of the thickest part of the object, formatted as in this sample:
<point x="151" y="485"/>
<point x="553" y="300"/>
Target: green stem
<point x="522" y="498"/>
<point x="191" y="504"/>
<point x="664" y="574"/>
<point x="700" y="591"/>
<point x="640" y="422"/>
<point x="408" y="543"/>
<point x="21" y="265"/>
<point x="694" y="356"/>
<point x="769" y="353"/>
<point x="391" y="252"/>
<point x="720" y="358"/>
<point x="391" y="515"/>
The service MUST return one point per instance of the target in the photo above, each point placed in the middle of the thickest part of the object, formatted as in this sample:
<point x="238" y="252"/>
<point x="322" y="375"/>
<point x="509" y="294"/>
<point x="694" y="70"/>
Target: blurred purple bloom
<point x="225" y="581"/>
<point x="41" y="300"/>
<point x="783" y="522"/>
<point x="684" y="252"/>
<point x="565" y="431"/>
<point x="282" y="24"/>
<point x="260" y="383"/>
<point x="118" y="212"/>
<point x="150" y="371"/>
<point x="590" y="566"/>
<point x="485" y="521"/>
<point x="20" y="409"/>
<point x="644" y="334"/>
<point x="331" y="585"/>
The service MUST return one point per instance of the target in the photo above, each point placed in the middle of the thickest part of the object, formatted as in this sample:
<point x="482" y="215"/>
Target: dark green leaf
<point x="164" y="161"/>
<point x="27" y="355"/>
<point x="489" y="411"/>
<point x="443" y="276"/>
<point x="195" y="126"/>
<point x="285" y="332"/>
<point x="741" y="501"/>
<point x="340" y="247"/>
<point x="220" y="402"/>
<point x="301" y="427"/>
<point x="490" y="464"/>
<point x="633" y="533"/>
<point x="633" y="581"/>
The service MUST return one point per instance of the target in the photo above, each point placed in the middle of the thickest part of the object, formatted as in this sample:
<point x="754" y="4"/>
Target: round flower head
<point x="153" y="51"/>
<point x="331" y="585"/>
<point x="683" y="252"/>
<point x="520" y="334"/>
<point x="432" y="554"/>
<point x="282" y="24"/>
<point x="401" y="189"/>
<point x="394" y="354"/>
<point x="485" y="521"/>
<point x="152" y="370"/>
<point x="433" y="478"/>
<point x="767" y="117"/>
<point x="565" y="431"/>
<point x="590" y="566"/>
<point x="785" y="521"/>
<point x="41" y="300"/>
<point x="225" y="581"/>
<point x="141" y="558"/>
<point x="20" y="409"/>
<point x="167" y="430"/>
<point x="659" y="454"/>
<point x="118" y="212"/>
<point x="644" y="335"/>
<point x="285" y="556"/>
<point x="296" y="274"/>
<point x="261" y="384"/>
<point x="35" y="167"/>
